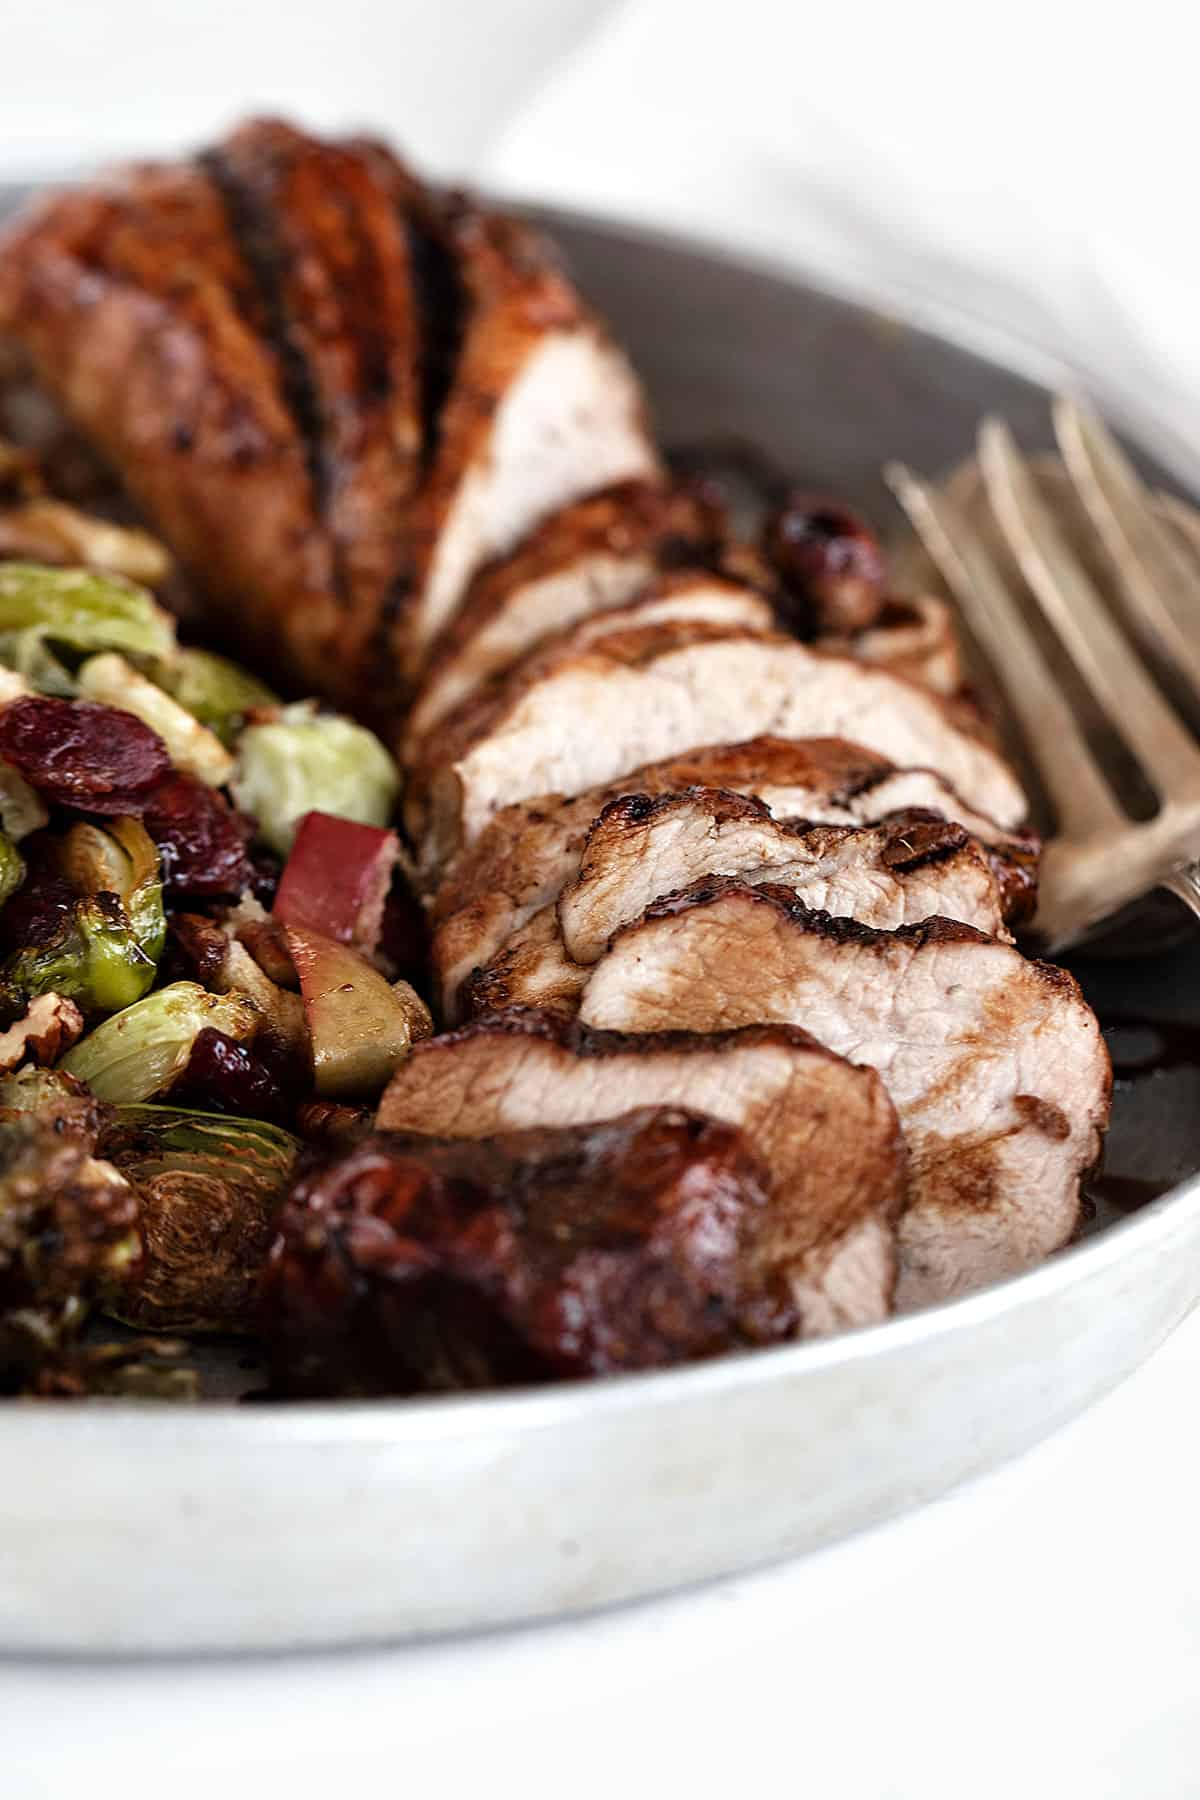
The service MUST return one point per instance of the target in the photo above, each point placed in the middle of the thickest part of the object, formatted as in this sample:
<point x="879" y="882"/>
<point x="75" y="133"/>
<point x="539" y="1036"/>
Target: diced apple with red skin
<point x="361" y="1027"/>
<point x="336" y="880"/>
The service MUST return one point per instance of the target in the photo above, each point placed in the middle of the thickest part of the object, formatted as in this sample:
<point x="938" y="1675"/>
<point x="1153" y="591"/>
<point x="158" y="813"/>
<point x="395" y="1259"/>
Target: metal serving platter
<point x="227" y="1526"/>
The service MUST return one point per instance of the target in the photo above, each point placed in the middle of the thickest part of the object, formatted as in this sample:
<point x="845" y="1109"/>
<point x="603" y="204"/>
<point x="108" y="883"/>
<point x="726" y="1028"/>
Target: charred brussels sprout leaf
<point x="75" y="611"/>
<point x="305" y="761"/>
<point x="138" y="1053"/>
<point x="214" y="690"/>
<point x="208" y="1188"/>
<point x="119" y="859"/>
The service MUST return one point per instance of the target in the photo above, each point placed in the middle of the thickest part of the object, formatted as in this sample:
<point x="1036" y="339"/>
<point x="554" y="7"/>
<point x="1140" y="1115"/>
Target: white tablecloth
<point x="1031" y="165"/>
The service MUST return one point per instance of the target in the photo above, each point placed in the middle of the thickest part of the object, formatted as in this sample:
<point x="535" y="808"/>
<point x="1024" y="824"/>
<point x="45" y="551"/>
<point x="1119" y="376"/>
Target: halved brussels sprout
<point x="208" y="1187"/>
<point x="139" y="1053"/>
<point x="193" y="748"/>
<point x="306" y="761"/>
<point x="79" y="611"/>
<point x="119" y="859"/>
<point x="214" y="690"/>
<point x="94" y="959"/>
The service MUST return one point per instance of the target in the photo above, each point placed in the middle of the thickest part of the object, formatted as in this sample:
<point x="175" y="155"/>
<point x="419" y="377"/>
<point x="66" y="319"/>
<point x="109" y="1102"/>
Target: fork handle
<point x="1184" y="883"/>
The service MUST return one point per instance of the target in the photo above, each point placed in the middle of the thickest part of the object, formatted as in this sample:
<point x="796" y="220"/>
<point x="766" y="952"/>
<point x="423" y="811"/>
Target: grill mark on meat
<point x="257" y="239"/>
<point x="996" y="1065"/>
<point x="441" y="298"/>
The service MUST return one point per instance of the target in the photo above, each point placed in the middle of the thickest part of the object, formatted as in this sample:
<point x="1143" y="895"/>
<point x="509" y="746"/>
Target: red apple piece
<point x="336" y="879"/>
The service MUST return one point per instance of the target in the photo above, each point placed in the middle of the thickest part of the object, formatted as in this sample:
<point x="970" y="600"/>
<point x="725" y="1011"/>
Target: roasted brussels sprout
<point x="208" y="1187"/>
<point x="306" y="761"/>
<point x="93" y="958"/>
<point x="214" y="690"/>
<point x="194" y="749"/>
<point x="139" y="1053"/>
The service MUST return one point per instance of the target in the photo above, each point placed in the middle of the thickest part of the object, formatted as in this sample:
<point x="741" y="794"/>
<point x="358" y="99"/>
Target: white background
<point x="1033" y="165"/>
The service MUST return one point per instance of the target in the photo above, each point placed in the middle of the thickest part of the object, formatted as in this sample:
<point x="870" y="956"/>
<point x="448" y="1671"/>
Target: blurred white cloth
<point x="1027" y="167"/>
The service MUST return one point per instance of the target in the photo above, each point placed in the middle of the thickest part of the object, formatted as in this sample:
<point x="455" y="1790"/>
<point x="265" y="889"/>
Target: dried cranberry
<point x="223" y="1076"/>
<point x="201" y="840"/>
<point x="830" y="563"/>
<point x="80" y="754"/>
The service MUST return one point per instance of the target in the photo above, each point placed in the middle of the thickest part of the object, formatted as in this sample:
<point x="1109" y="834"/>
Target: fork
<point x="1099" y="859"/>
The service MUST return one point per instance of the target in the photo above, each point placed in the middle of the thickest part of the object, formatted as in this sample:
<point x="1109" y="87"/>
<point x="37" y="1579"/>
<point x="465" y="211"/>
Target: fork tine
<point x="1183" y="522"/>
<point x="1158" y="577"/>
<point x="1105" y="659"/>
<point x="1082" y="799"/>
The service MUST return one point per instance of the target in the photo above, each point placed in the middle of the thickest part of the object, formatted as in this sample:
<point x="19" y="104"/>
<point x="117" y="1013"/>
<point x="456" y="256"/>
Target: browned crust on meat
<point x="585" y="1040"/>
<point x="624" y="520"/>
<point x="333" y="250"/>
<point x="141" y="315"/>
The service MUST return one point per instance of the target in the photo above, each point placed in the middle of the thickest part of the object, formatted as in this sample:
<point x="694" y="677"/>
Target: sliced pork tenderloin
<point x="641" y="695"/>
<point x="895" y="873"/>
<point x="995" y="1063"/>
<point x="532" y="850"/>
<point x="898" y="873"/>
<point x="824" y="1130"/>
<point x="595" y="554"/>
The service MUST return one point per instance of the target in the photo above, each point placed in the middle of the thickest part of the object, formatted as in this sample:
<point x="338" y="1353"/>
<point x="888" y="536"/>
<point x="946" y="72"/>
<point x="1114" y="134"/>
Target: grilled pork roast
<point x="335" y="392"/>
<point x="709" y="799"/>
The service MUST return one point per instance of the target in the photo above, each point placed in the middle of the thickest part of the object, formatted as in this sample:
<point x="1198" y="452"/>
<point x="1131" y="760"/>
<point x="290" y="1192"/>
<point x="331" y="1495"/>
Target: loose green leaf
<point x="44" y="611"/>
<point x="193" y="748"/>
<point x="305" y="761"/>
<point x="214" y="690"/>
<point x="140" y="1052"/>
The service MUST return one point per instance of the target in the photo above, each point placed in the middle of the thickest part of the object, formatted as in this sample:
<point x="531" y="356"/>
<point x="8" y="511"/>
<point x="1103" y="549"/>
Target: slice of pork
<point x="585" y="558"/>
<point x="895" y="873"/>
<point x="995" y="1063"/>
<point x="531" y="851"/>
<point x="641" y="695"/>
<point x="542" y="408"/>
<point x="898" y="873"/>
<point x="824" y="1129"/>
